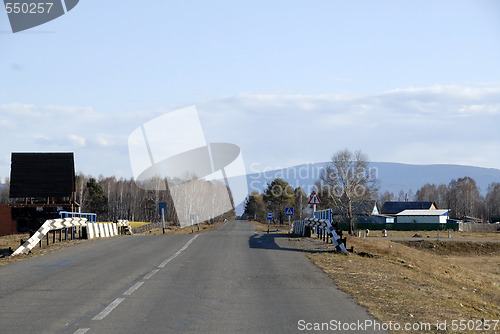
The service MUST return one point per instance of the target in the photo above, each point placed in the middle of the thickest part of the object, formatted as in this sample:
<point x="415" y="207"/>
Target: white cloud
<point x="104" y="140"/>
<point x="438" y="124"/>
<point x="77" y="141"/>
<point x="30" y="113"/>
<point x="6" y="124"/>
<point x="58" y="142"/>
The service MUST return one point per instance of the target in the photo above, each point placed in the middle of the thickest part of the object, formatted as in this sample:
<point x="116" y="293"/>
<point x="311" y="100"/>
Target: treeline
<point x="347" y="183"/>
<point x="113" y="199"/>
<point x="276" y="197"/>
<point x="462" y="196"/>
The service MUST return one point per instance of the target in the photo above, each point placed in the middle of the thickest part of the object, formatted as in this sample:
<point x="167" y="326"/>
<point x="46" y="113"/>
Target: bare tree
<point x="348" y="179"/>
<point x="433" y="193"/>
<point x="493" y="201"/>
<point x="464" y="198"/>
<point x="300" y="203"/>
<point x="428" y="193"/>
<point x="4" y="192"/>
<point x="387" y="196"/>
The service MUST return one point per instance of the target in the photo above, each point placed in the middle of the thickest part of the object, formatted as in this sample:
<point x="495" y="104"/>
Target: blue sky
<point x="290" y="82"/>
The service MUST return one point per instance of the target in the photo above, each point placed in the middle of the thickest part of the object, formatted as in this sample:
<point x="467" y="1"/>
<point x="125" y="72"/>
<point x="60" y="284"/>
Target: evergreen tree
<point x="277" y="196"/>
<point x="97" y="200"/>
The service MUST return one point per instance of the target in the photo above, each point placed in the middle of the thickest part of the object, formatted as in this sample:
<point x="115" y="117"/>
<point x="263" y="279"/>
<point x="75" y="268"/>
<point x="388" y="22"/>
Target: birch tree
<point x="348" y="179"/>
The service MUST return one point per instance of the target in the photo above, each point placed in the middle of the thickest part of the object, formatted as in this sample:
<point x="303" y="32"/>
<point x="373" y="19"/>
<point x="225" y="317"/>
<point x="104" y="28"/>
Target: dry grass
<point x="14" y="241"/>
<point x="132" y="224"/>
<point x="408" y="283"/>
<point x="137" y="224"/>
<point x="204" y="227"/>
<point x="262" y="227"/>
<point x="442" y="234"/>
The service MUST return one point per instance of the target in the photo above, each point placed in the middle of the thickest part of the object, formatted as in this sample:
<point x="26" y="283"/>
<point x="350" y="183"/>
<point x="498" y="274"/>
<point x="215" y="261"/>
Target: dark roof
<point x="42" y="175"/>
<point x="359" y="208"/>
<point x="392" y="208"/>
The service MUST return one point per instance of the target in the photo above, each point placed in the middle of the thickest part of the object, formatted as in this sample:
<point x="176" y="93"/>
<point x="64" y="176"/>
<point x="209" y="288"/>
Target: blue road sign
<point x="289" y="211"/>
<point x="162" y="205"/>
<point x="269" y="215"/>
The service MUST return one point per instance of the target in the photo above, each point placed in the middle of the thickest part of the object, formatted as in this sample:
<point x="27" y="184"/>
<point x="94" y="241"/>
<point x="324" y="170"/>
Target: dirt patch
<point x="416" y="285"/>
<point x="14" y="241"/>
<point x="455" y="247"/>
<point x="204" y="227"/>
<point x="442" y="234"/>
<point x="262" y="227"/>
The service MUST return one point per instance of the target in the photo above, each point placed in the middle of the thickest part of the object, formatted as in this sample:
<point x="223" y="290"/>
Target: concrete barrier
<point x="102" y="230"/>
<point x="124" y="227"/>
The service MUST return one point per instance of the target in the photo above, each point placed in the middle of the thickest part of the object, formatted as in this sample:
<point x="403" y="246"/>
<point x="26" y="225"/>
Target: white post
<point x="163" y="219"/>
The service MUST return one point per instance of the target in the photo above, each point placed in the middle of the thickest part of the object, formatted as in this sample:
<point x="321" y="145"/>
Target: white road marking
<point x="133" y="288"/>
<point x="108" y="309"/>
<point x="148" y="276"/>
<point x="136" y="286"/>
<point x="82" y="331"/>
<point x="164" y="263"/>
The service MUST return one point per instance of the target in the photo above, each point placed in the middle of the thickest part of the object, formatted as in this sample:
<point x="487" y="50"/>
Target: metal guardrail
<point x="94" y="230"/>
<point x="49" y="225"/>
<point x="324" y="228"/>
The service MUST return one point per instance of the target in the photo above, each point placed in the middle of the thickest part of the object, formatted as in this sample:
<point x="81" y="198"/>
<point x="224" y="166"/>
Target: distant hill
<point x="393" y="177"/>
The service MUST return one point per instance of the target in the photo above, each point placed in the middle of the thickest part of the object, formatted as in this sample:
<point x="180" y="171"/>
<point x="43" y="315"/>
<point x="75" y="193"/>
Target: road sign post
<point x="269" y="218"/>
<point x="314" y="200"/>
<point x="192" y="218"/>
<point x="162" y="207"/>
<point x="289" y="213"/>
<point x="163" y="219"/>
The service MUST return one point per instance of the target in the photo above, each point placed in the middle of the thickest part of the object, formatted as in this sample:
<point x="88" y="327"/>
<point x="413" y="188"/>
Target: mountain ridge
<point x="393" y="176"/>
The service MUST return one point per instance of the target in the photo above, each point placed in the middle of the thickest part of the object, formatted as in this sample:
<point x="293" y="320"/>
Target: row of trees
<point x="348" y="180"/>
<point x="462" y="196"/>
<point x="114" y="199"/>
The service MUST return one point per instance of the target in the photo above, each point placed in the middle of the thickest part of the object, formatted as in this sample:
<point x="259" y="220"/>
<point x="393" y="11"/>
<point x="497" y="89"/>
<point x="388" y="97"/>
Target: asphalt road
<point x="232" y="280"/>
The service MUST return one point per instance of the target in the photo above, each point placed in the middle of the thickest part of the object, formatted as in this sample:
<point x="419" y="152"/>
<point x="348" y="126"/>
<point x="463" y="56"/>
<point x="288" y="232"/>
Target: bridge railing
<point x="322" y="224"/>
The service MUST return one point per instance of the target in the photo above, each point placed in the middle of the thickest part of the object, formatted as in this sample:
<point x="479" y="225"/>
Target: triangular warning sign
<point x="314" y="199"/>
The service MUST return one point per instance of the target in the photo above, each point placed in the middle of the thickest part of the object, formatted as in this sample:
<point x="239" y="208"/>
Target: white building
<point x="423" y="216"/>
